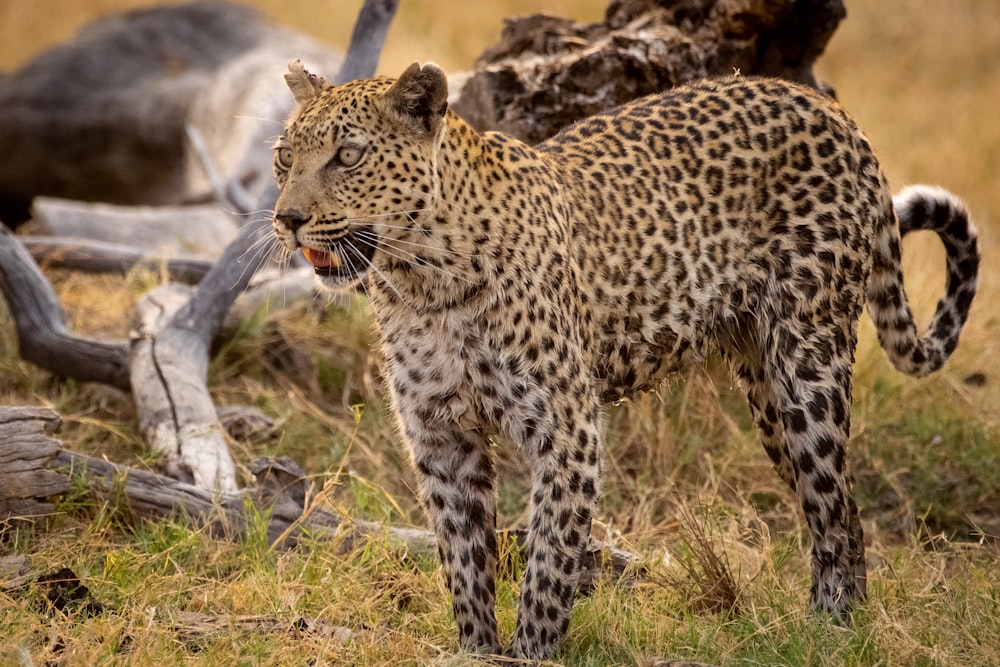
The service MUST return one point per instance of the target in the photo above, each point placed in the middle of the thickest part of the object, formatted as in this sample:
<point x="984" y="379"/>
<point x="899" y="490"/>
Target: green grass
<point x="928" y="606"/>
<point x="687" y="482"/>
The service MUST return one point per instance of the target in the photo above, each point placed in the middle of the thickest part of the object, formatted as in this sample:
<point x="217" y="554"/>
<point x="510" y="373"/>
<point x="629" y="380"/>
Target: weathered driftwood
<point x="281" y="494"/>
<point x="172" y="340"/>
<point x="172" y="331"/>
<point x="92" y="256"/>
<point x="168" y="366"/>
<point x="547" y="72"/>
<point x="26" y="455"/>
<point x="43" y="336"/>
<point x="197" y="231"/>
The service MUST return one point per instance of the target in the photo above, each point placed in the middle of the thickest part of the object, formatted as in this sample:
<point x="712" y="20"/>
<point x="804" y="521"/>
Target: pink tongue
<point x="317" y="258"/>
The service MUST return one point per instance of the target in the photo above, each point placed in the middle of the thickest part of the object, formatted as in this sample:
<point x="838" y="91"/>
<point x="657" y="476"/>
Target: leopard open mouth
<point x="348" y="258"/>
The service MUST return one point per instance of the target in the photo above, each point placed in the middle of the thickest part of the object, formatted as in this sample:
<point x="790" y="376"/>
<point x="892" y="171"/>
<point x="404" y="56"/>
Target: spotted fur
<point x="516" y="289"/>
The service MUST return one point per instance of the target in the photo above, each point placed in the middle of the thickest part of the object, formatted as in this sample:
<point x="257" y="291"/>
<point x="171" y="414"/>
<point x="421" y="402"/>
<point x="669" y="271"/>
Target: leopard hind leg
<point x="798" y="385"/>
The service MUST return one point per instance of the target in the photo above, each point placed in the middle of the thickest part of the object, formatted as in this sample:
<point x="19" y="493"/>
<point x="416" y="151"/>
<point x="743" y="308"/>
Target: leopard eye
<point x="283" y="155"/>
<point x="348" y="156"/>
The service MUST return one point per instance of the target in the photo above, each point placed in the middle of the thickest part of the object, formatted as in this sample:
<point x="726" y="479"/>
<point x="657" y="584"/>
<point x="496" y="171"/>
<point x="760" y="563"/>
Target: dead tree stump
<point x="26" y="477"/>
<point x="547" y="72"/>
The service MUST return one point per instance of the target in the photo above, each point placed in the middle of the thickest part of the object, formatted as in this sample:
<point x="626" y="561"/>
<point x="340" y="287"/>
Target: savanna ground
<point x="685" y="473"/>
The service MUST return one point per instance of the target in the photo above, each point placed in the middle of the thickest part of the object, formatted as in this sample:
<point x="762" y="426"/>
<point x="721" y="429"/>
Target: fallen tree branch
<point x="171" y="342"/>
<point x="282" y="494"/>
<point x="202" y="230"/>
<point x="92" y="256"/>
<point x="367" y="39"/>
<point x="43" y="336"/>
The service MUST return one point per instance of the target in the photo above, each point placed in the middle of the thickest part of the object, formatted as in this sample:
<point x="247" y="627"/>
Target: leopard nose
<point x="290" y="219"/>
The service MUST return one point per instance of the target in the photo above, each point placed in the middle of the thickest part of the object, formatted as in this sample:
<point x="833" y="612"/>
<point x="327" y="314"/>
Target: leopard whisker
<point x="381" y="275"/>
<point x="260" y="251"/>
<point x="427" y="246"/>
<point x="362" y="282"/>
<point x="382" y="243"/>
<point x="264" y="245"/>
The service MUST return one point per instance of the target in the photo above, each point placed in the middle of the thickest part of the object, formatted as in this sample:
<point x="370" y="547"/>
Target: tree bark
<point x="26" y="456"/>
<point x="547" y="72"/>
<point x="282" y="493"/>
<point x="43" y="336"/>
<point x="90" y="256"/>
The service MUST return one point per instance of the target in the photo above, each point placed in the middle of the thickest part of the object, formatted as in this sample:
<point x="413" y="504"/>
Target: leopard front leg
<point x="454" y="471"/>
<point x="566" y="467"/>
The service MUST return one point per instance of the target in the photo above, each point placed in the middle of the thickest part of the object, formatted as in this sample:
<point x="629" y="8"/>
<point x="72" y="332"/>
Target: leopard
<point x="518" y="291"/>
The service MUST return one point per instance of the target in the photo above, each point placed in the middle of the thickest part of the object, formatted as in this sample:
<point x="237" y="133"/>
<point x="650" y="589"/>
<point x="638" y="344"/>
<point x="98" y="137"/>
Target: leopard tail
<point x="931" y="208"/>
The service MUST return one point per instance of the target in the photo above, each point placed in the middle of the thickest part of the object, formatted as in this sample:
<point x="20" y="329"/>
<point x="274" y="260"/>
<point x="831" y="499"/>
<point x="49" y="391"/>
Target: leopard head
<point x="355" y="164"/>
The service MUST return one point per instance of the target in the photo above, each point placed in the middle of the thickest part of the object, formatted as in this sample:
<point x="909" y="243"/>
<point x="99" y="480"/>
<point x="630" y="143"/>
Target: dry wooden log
<point x="102" y="257"/>
<point x="281" y="492"/>
<point x="26" y="478"/>
<point x="547" y="72"/>
<point x="198" y="231"/>
<point x="43" y="336"/>
<point x="171" y="345"/>
<point x="168" y="367"/>
<point x="167" y="362"/>
<point x="192" y="439"/>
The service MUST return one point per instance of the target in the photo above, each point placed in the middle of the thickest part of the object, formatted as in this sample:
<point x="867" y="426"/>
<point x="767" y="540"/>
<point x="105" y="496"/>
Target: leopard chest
<point x="447" y="371"/>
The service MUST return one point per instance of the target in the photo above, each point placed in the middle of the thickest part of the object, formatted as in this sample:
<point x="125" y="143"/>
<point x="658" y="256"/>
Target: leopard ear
<point x="302" y="83"/>
<point x="420" y="97"/>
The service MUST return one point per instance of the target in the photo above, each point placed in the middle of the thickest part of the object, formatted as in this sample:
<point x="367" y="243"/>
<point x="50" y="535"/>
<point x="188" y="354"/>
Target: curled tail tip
<point x="917" y="192"/>
<point x="935" y="209"/>
<point x="932" y="207"/>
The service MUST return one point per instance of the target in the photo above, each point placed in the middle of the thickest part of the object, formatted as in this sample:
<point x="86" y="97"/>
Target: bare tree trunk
<point x="367" y="39"/>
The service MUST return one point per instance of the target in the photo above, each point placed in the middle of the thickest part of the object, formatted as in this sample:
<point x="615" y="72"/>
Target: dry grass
<point x="920" y="76"/>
